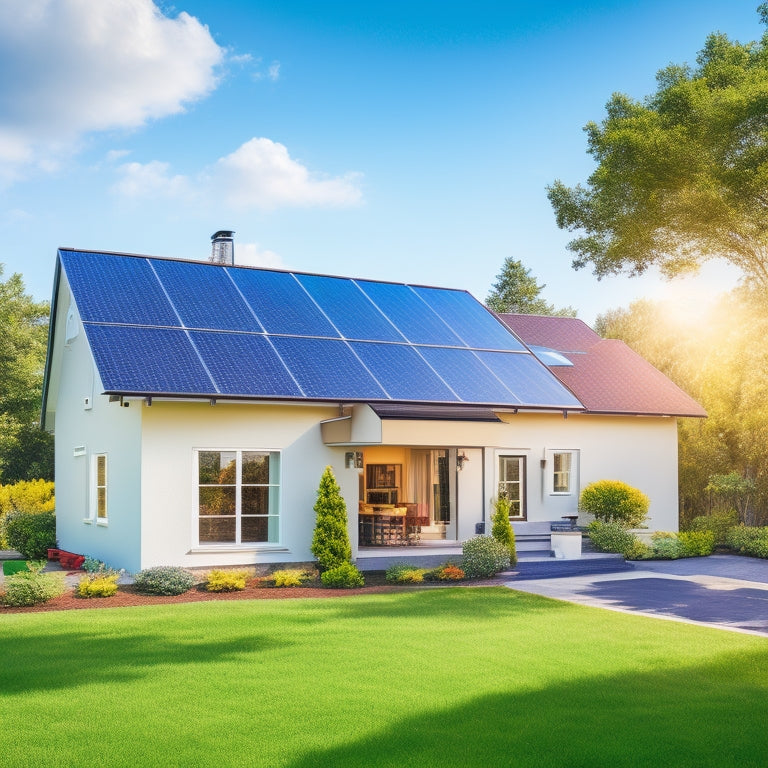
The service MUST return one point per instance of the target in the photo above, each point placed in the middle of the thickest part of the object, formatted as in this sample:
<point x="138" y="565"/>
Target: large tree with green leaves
<point x="517" y="290"/>
<point x="25" y="451"/>
<point x="681" y="177"/>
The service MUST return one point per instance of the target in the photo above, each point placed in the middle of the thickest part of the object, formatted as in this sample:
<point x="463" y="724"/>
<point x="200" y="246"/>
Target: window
<point x="98" y="507"/>
<point x="563" y="469"/>
<point x="512" y="483"/>
<point x="238" y="497"/>
<point x="561" y="479"/>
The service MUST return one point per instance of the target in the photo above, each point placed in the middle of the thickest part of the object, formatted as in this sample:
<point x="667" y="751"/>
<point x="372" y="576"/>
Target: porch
<point x="531" y="564"/>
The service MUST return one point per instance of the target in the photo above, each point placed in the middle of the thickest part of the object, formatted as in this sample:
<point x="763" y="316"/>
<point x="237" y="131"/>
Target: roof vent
<point x="223" y="247"/>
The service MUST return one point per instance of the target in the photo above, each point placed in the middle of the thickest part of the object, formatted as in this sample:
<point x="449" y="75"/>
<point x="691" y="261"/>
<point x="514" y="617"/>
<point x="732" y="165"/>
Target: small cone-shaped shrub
<point x="330" y="543"/>
<point x="501" y="529"/>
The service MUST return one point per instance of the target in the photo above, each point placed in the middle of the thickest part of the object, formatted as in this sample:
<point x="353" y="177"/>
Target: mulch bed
<point x="127" y="596"/>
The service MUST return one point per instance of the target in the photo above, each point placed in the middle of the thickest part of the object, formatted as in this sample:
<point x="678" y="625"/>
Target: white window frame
<point x="573" y="471"/>
<point x="522" y="459"/>
<point x="93" y="506"/>
<point x="274" y="487"/>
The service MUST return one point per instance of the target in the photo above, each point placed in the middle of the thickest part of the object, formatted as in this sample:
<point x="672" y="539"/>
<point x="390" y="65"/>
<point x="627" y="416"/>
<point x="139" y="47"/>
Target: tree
<point x="516" y="290"/>
<point x="501" y="528"/>
<point x="682" y="177"/>
<point x="25" y="451"/>
<point x="330" y="542"/>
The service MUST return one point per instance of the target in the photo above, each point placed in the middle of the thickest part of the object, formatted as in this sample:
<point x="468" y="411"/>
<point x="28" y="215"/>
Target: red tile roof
<point x="607" y="376"/>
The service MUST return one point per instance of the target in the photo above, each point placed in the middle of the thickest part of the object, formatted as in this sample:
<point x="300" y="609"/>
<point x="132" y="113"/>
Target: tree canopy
<point x="25" y="451"/>
<point x="681" y="177"/>
<point x="516" y="290"/>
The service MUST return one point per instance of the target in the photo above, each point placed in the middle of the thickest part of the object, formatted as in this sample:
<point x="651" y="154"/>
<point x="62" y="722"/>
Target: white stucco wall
<point x="81" y="432"/>
<point x="172" y="432"/>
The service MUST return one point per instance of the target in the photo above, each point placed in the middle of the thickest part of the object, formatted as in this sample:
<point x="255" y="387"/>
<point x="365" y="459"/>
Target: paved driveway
<point x="724" y="591"/>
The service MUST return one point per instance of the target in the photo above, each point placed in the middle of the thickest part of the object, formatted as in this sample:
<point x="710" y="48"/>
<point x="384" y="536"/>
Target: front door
<point x="433" y="487"/>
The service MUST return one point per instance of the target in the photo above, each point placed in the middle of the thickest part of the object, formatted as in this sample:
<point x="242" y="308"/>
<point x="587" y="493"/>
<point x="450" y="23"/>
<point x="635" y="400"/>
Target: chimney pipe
<point x="223" y="247"/>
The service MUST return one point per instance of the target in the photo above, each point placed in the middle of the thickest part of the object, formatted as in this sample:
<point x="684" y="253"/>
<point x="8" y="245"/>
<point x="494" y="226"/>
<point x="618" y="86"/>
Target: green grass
<point x="449" y="677"/>
<point x="13" y="566"/>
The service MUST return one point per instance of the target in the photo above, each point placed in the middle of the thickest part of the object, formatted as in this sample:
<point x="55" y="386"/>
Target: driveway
<point x="724" y="591"/>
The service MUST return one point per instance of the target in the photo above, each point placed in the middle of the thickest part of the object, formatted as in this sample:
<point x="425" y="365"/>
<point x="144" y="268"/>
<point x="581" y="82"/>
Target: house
<point x="196" y="404"/>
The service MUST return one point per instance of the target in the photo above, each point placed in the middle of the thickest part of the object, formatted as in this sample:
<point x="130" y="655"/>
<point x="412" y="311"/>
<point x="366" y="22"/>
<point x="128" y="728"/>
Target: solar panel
<point x="477" y="327"/>
<point x="472" y="381"/>
<point x="160" y="326"/>
<point x="402" y="372"/>
<point x="327" y="368"/>
<point x="116" y="289"/>
<point x="131" y="359"/>
<point x="531" y="382"/>
<point x="204" y="296"/>
<point x="349" y="309"/>
<point x="281" y="304"/>
<point x="244" y="364"/>
<point x="415" y="320"/>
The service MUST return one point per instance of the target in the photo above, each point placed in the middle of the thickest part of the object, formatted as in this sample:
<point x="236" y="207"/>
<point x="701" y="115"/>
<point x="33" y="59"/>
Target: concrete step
<point x="552" y="568"/>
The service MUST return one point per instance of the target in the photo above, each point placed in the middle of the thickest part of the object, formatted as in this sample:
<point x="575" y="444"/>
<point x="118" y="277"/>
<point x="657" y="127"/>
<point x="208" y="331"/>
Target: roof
<point x="174" y="328"/>
<point x="605" y="374"/>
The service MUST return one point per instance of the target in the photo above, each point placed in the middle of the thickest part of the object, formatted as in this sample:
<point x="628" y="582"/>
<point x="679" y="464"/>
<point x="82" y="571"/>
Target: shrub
<point x="718" y="523"/>
<point x="32" y="586"/>
<point x="666" y="546"/>
<point x="612" y="537"/>
<point x="696" y="543"/>
<point x="405" y="574"/>
<point x="226" y="581"/>
<point x="344" y="576"/>
<point x="330" y="542"/>
<point x="613" y="501"/>
<point x="25" y="496"/>
<point x="164" y="580"/>
<point x="749" y="541"/>
<point x="638" y="550"/>
<point x="502" y="529"/>
<point x="446" y="572"/>
<point x="31" y="533"/>
<point x="100" y="583"/>
<point x="483" y="556"/>
<point x="291" y="577"/>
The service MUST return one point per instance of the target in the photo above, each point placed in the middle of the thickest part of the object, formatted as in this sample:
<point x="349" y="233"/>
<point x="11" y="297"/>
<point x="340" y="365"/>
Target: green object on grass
<point x="13" y="566"/>
<point x="429" y="678"/>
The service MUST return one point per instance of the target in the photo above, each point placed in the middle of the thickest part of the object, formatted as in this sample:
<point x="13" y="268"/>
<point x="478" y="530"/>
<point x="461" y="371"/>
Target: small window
<point x="99" y="488"/>
<point x="512" y="483"/>
<point x="561" y="481"/>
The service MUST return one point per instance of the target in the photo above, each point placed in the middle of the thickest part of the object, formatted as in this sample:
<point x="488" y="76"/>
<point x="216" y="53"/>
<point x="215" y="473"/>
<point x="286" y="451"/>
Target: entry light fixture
<point x="460" y="459"/>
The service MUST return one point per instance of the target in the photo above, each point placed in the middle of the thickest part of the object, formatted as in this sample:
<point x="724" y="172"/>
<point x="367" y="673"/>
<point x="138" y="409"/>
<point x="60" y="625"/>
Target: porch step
<point x="545" y="567"/>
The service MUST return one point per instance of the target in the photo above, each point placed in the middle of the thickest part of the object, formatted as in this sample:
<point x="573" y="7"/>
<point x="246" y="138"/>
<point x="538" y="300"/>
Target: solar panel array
<point x="158" y="326"/>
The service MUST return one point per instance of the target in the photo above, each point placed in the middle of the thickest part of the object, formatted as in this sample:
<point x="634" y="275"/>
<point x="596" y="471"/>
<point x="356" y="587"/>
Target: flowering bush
<point x="32" y="586"/>
<point x="291" y="577"/>
<point x="164" y="580"/>
<point x="401" y="573"/>
<point x="613" y="501"/>
<point x="344" y="576"/>
<point x="226" y="581"/>
<point x="100" y="583"/>
<point x="446" y="572"/>
<point x="483" y="556"/>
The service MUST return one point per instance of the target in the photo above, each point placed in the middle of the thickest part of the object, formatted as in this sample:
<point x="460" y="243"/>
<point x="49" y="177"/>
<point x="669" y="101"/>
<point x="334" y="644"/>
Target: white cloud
<point x="81" y="66"/>
<point x="260" y="174"/>
<point x="252" y="255"/>
<point x="150" y="180"/>
<point x="273" y="72"/>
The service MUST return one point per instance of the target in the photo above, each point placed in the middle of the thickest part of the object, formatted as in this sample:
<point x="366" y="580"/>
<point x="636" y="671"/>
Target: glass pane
<point x="255" y="467"/>
<point x="217" y="467"/>
<point x="101" y="503"/>
<point x="510" y="468"/>
<point x="217" y="501"/>
<point x="255" y="500"/>
<point x="215" y="529"/>
<point x="259" y="529"/>
<point x="101" y="470"/>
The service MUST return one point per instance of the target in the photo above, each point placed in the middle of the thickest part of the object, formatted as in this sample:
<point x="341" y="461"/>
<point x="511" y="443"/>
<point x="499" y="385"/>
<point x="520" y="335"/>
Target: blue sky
<point x="408" y="141"/>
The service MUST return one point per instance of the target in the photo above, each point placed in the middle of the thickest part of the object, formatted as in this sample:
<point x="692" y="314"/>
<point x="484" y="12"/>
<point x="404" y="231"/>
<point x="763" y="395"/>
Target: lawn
<point x="442" y="677"/>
